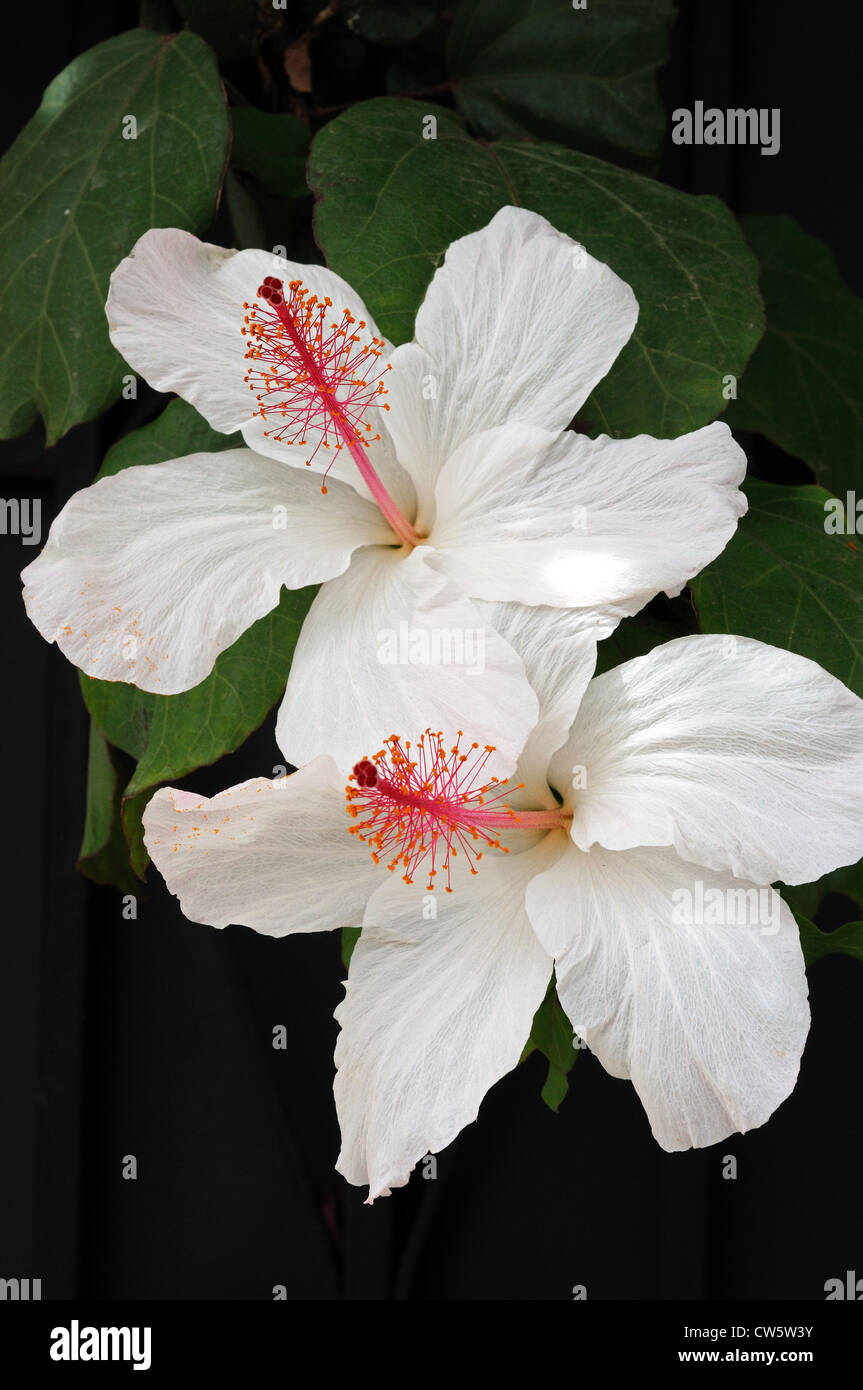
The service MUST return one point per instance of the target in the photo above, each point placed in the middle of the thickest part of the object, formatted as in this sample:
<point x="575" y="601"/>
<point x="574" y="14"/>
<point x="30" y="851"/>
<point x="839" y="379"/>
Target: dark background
<point x="153" y="1037"/>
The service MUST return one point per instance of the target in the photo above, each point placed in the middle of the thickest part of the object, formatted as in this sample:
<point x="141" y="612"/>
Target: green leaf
<point x="172" y="735"/>
<point x="350" y="937"/>
<point x="178" y="431"/>
<point x="250" y="230"/>
<point x="195" y="728"/>
<point x="782" y="579"/>
<point x="848" y="880"/>
<point x="552" y="1035"/>
<point x="266" y="184"/>
<point x="803" y="388"/>
<point x="75" y="196"/>
<point x="132" y="818"/>
<point x="272" y="148"/>
<point x="104" y="853"/>
<point x="391" y="21"/>
<point x="390" y="202"/>
<point x="554" y="1088"/>
<point x="662" y="621"/>
<point x="585" y="77"/>
<point x="123" y="713"/>
<point x="846" y="941"/>
<point x="232" y="27"/>
<point x="805" y="899"/>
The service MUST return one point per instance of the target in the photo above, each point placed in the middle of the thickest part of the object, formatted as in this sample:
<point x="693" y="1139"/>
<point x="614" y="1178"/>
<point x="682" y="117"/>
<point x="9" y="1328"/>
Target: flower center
<point x="428" y="802"/>
<point x="315" y="376"/>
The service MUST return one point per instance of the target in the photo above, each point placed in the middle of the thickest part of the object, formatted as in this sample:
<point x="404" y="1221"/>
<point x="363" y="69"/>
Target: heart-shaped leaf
<point x="803" y="388"/>
<point x="581" y="74"/>
<point x="783" y="579"/>
<point x="132" y="135"/>
<point x="397" y="181"/>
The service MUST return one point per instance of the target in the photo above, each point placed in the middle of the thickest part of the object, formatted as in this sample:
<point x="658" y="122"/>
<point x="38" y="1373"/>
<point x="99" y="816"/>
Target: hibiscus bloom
<point x="450" y="480"/>
<point x="635" y="861"/>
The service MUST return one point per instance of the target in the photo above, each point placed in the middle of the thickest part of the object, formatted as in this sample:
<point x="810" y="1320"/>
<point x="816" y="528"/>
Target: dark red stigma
<point x="271" y="289"/>
<point x="366" y="773"/>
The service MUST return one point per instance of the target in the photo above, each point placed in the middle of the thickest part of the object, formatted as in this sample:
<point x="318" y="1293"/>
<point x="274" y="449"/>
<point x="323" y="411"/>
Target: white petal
<point x="175" y="312"/>
<point x="274" y="856"/>
<point x="558" y="648"/>
<point x="519" y="323"/>
<point x="586" y="523"/>
<point x="148" y="574"/>
<point x="392" y="647"/>
<point x="707" y="1020"/>
<point x="435" y="1012"/>
<point x="742" y="756"/>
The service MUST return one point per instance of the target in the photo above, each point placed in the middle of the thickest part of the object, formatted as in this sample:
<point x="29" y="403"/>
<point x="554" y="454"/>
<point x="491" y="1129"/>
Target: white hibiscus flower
<point x="450" y="480"/>
<point x="635" y="861"/>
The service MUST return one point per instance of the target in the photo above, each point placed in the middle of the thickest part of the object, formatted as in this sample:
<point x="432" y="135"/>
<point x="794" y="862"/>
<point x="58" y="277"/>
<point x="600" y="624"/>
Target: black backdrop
<point x="153" y="1037"/>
